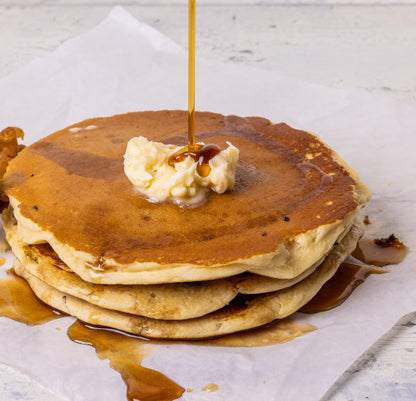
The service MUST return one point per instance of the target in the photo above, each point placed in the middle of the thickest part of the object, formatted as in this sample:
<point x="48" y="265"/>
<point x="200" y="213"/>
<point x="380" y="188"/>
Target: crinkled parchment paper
<point x="123" y="65"/>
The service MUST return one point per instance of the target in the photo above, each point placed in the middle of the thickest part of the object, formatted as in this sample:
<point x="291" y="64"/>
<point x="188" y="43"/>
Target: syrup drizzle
<point x="47" y="251"/>
<point x="201" y="154"/>
<point x="191" y="76"/>
<point x="18" y="302"/>
<point x="126" y="354"/>
<point x="335" y="291"/>
<point x="371" y="252"/>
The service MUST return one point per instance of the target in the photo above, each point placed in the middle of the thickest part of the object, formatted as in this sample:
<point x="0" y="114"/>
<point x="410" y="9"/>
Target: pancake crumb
<point x="366" y="220"/>
<point x="391" y="241"/>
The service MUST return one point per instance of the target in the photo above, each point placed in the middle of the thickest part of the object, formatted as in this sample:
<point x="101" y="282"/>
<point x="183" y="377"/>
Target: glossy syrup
<point x="201" y="154"/>
<point x="370" y="254"/>
<point x="18" y="302"/>
<point x="47" y="251"/>
<point x="380" y="252"/>
<point x="126" y="354"/>
<point x="335" y="291"/>
<point x="191" y="75"/>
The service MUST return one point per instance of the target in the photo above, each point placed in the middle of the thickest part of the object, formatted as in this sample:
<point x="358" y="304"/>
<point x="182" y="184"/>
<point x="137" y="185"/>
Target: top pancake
<point x="70" y="190"/>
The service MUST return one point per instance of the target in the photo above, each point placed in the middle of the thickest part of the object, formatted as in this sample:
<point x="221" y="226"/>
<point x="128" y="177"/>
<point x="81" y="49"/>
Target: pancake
<point x="293" y="198"/>
<point x="245" y="314"/>
<point x="157" y="301"/>
<point x="249" y="283"/>
<point x="175" y="301"/>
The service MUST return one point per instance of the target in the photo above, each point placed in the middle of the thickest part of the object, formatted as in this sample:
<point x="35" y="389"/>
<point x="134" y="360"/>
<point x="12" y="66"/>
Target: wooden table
<point x="371" y="47"/>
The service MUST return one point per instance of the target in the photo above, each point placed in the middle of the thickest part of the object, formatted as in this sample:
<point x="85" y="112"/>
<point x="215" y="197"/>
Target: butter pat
<point x="146" y="166"/>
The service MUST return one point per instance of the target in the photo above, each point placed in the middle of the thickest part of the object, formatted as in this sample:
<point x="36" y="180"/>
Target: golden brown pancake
<point x="292" y="199"/>
<point x="245" y="313"/>
<point x="176" y="301"/>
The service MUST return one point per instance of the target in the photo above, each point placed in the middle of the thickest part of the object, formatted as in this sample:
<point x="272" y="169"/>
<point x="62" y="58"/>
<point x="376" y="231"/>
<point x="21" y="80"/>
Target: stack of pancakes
<point x="91" y="246"/>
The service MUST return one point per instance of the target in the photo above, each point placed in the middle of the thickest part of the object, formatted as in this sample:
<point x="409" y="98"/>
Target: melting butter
<point x="146" y="165"/>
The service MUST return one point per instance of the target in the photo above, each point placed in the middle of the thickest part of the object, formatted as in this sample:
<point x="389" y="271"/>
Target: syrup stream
<point x="191" y="76"/>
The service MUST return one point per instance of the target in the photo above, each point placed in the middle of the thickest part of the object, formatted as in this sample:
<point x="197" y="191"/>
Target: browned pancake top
<point x="72" y="183"/>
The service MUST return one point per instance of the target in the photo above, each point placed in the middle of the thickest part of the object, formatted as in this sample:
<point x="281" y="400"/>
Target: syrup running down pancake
<point x="78" y="226"/>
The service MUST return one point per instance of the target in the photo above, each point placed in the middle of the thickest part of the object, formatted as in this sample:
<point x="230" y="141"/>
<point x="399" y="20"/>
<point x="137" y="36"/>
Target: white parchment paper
<point x="123" y="65"/>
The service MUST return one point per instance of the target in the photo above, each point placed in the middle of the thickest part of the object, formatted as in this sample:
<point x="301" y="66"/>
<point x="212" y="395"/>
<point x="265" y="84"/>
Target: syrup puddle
<point x="389" y="252"/>
<point x="335" y="291"/>
<point x="126" y="354"/>
<point x="374" y="253"/>
<point x="18" y="302"/>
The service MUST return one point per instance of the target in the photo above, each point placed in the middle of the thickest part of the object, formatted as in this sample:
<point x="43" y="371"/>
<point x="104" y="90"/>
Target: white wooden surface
<point x="367" y="46"/>
<point x="363" y="46"/>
